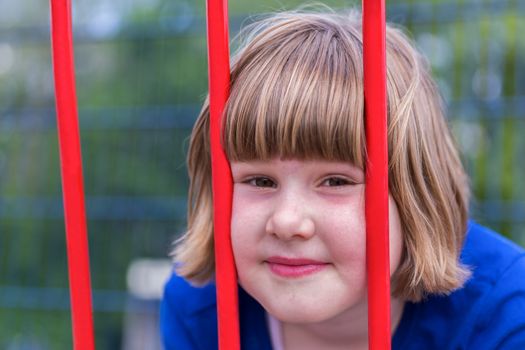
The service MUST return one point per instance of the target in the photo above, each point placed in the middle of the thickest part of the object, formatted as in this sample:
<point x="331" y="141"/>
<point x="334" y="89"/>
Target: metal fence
<point x="141" y="75"/>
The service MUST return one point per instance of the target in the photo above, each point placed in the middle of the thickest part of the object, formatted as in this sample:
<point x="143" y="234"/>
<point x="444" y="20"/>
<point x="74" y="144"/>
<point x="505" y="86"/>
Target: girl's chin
<point x="313" y="311"/>
<point x="292" y="314"/>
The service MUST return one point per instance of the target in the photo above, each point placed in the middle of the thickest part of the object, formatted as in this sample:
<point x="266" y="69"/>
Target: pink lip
<point x="286" y="267"/>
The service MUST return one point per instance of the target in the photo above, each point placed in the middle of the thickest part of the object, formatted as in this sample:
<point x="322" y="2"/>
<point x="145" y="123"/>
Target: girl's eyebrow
<point x="355" y="171"/>
<point x="246" y="166"/>
<point x="323" y="166"/>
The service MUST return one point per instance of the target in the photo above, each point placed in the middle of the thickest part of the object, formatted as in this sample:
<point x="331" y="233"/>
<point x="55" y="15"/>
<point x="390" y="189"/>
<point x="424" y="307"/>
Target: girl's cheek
<point x="246" y="200"/>
<point x="248" y="218"/>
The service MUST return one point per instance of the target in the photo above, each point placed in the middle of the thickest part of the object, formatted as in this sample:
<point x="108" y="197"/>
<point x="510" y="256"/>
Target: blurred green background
<point x="141" y="76"/>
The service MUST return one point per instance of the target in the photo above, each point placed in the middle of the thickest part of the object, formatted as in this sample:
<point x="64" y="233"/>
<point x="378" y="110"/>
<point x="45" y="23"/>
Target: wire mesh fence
<point x="141" y="76"/>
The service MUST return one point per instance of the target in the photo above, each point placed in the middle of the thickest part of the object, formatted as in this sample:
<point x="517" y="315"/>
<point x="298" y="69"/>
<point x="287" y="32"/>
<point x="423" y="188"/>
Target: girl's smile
<point x="294" y="268"/>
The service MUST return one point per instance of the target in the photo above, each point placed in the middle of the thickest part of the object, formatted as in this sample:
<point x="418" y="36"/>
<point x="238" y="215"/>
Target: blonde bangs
<point x="306" y="104"/>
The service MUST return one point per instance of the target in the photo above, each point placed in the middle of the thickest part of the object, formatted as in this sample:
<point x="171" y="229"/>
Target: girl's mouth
<point x="294" y="268"/>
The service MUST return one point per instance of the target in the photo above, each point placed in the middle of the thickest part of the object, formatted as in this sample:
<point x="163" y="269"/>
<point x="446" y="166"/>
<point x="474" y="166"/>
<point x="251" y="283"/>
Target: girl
<point x="294" y="135"/>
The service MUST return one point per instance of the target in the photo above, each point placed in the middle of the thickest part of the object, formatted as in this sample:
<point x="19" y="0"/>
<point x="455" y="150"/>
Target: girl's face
<point x="298" y="236"/>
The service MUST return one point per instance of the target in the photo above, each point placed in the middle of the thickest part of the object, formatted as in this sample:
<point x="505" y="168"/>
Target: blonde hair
<point x="297" y="92"/>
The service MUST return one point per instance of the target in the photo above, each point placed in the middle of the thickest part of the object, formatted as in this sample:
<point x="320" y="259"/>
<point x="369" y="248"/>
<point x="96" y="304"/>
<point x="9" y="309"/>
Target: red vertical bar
<point x="376" y="211"/>
<point x="219" y="80"/>
<point x="71" y="171"/>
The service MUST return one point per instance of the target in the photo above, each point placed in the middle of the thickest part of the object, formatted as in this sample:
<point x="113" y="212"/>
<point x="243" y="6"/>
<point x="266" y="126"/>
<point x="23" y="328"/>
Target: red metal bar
<point x="219" y="80"/>
<point x="376" y="211"/>
<point x="71" y="170"/>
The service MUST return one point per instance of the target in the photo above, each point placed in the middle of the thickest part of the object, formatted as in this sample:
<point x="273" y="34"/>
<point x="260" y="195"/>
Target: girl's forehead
<point x="295" y="164"/>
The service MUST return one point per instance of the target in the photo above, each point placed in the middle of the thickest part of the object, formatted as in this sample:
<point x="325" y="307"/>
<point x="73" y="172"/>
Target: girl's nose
<point x="291" y="219"/>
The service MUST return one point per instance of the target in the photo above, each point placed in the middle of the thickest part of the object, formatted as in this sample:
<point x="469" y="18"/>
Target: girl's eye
<point x="261" y="182"/>
<point x="336" y="181"/>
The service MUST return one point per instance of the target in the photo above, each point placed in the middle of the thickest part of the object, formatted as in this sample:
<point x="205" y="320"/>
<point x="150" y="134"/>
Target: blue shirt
<point x="487" y="313"/>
